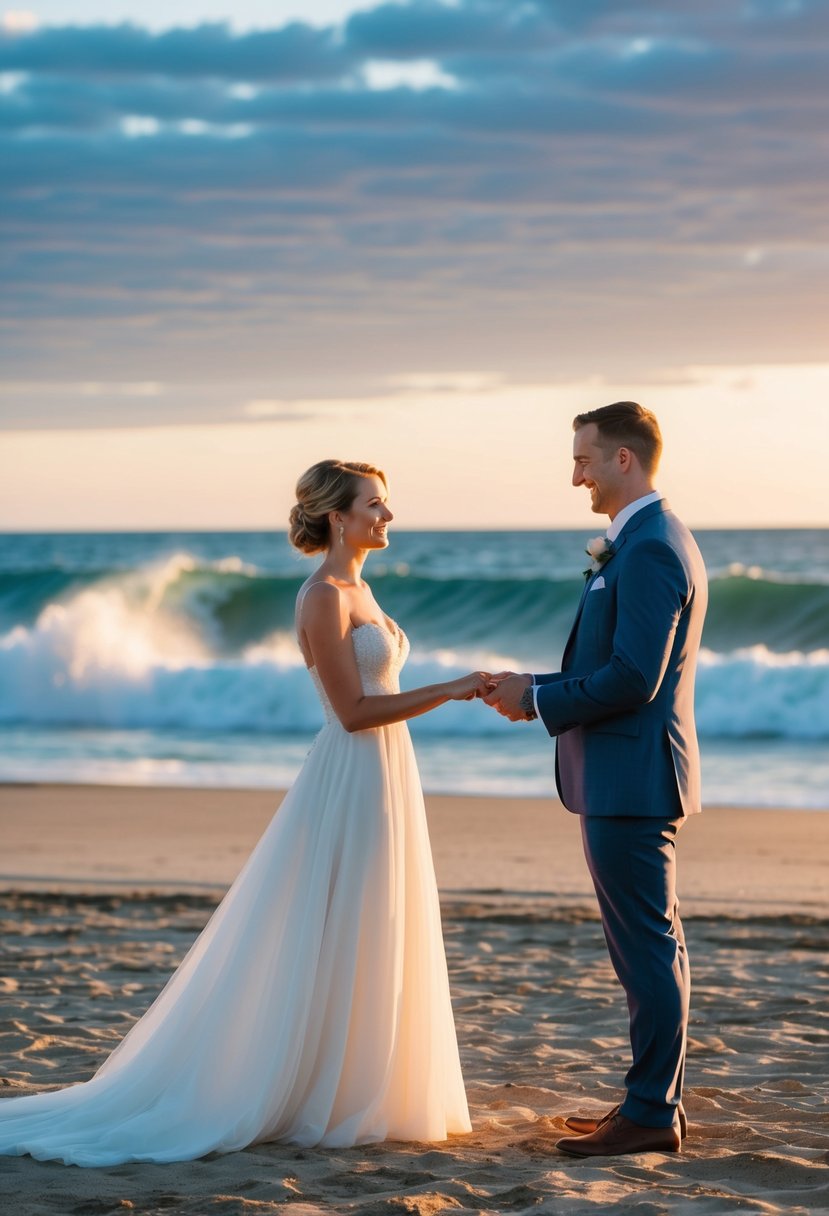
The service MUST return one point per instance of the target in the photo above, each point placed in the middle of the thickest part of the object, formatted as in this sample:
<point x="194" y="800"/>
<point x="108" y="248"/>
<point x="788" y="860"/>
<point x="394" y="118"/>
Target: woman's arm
<point x="326" y="623"/>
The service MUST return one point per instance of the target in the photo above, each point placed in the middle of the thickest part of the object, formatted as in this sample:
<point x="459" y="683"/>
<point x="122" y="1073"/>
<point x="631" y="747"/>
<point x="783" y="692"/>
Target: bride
<point x="314" y="1006"/>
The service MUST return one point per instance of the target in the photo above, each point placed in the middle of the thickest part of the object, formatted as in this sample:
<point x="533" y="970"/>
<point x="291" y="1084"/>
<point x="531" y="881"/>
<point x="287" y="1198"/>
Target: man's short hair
<point x="626" y="424"/>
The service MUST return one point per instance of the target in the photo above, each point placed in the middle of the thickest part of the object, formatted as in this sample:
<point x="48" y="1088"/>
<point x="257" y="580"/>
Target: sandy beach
<point x="102" y="889"/>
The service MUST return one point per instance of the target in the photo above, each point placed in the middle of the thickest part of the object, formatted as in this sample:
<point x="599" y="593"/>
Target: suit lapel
<point x="587" y="584"/>
<point x="655" y="508"/>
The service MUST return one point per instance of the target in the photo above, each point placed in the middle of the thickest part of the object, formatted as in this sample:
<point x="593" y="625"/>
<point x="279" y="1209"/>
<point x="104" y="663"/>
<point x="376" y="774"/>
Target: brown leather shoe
<point x="618" y="1135"/>
<point x="583" y="1126"/>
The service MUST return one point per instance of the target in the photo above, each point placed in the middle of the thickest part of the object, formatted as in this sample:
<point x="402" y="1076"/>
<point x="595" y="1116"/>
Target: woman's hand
<point x="467" y="688"/>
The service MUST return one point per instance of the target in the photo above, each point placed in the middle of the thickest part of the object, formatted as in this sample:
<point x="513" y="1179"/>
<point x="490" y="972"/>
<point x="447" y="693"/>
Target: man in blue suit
<point x="627" y="760"/>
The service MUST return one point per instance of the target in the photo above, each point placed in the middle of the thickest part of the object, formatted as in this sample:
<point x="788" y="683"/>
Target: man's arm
<point x="652" y="591"/>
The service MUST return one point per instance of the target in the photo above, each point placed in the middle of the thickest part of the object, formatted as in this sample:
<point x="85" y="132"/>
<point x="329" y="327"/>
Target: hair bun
<point x="304" y="532"/>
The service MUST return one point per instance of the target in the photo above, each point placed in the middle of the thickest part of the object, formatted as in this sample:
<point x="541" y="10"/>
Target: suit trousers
<point x="632" y="861"/>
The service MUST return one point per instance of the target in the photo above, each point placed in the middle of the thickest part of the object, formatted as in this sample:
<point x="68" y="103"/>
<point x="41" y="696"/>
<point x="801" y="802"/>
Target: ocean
<point x="169" y="658"/>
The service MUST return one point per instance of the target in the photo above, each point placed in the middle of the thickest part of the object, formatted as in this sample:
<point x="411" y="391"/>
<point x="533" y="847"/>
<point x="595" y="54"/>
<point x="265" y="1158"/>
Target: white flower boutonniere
<point x="599" y="550"/>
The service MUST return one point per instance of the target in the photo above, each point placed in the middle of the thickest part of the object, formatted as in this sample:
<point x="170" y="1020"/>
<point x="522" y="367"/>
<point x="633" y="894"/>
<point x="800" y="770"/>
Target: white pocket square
<point x="598" y="584"/>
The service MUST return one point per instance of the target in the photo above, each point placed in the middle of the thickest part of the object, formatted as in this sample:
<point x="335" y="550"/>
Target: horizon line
<point x="269" y="528"/>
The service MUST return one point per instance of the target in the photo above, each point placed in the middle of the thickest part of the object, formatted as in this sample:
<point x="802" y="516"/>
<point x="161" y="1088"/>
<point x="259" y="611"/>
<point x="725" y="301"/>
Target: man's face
<point x="597" y="468"/>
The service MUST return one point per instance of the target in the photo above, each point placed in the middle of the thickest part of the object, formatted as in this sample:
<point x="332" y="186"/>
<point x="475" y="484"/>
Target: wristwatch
<point x="528" y="704"/>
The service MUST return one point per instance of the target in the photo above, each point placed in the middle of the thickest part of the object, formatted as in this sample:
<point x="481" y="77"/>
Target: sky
<point x="236" y="240"/>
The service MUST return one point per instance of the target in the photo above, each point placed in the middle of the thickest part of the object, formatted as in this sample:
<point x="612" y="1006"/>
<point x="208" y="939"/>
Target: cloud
<point x="426" y="29"/>
<point x="276" y="411"/>
<point x="295" y="52"/>
<point x="538" y="189"/>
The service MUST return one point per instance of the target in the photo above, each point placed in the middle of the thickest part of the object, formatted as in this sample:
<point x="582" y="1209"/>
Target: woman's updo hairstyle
<point x="331" y="485"/>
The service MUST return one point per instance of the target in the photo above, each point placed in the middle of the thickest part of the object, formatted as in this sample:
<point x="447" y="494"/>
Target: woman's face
<point x="365" y="524"/>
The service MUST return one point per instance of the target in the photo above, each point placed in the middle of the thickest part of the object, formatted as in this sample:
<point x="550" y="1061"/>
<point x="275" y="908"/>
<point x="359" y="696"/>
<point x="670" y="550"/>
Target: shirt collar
<point x="629" y="511"/>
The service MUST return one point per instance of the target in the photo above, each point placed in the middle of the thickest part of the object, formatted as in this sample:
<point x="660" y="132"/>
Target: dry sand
<point x="110" y="838"/>
<point x="103" y="890"/>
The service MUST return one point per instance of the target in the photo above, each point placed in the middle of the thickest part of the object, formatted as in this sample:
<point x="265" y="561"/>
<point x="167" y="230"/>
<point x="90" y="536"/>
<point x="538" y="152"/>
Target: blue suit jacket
<point x="623" y="704"/>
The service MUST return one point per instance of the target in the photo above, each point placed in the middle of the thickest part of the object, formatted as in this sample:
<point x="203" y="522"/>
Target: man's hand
<point x="506" y="690"/>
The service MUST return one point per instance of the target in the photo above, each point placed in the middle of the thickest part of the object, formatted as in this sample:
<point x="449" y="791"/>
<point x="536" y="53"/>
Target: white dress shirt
<point x="616" y="524"/>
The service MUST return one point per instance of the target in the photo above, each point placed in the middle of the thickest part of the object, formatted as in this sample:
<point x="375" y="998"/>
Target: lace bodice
<point x="380" y="657"/>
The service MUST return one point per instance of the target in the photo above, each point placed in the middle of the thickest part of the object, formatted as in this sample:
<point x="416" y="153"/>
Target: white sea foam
<point x="111" y="658"/>
<point x="148" y="648"/>
<point x="755" y="692"/>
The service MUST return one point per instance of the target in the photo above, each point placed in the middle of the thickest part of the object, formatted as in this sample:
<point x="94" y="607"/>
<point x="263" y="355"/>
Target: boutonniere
<point x="599" y="550"/>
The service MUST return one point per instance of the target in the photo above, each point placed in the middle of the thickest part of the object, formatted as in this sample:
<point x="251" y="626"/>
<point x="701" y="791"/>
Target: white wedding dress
<point x="314" y="1006"/>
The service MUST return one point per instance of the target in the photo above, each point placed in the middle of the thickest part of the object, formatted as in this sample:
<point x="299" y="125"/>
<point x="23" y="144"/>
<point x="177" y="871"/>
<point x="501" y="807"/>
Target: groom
<point x="627" y="761"/>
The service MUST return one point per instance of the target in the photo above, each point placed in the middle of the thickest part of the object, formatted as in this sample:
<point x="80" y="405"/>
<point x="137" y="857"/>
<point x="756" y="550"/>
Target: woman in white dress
<point x="314" y="1006"/>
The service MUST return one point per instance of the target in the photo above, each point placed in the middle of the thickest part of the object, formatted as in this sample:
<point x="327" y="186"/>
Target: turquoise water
<point x="170" y="657"/>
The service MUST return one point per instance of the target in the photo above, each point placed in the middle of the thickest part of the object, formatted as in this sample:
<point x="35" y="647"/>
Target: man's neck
<point x="641" y="492"/>
<point x="631" y="509"/>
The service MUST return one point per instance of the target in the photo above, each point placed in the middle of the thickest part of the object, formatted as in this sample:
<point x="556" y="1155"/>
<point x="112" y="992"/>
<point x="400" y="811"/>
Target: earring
<point x="342" y="534"/>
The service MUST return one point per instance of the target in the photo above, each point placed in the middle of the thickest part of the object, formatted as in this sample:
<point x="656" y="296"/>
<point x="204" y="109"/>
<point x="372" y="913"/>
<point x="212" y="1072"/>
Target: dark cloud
<point x="295" y="52"/>
<point x="425" y="29"/>
<point x="582" y="187"/>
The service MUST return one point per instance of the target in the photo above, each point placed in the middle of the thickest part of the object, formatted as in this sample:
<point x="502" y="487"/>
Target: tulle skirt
<point x="313" y="1008"/>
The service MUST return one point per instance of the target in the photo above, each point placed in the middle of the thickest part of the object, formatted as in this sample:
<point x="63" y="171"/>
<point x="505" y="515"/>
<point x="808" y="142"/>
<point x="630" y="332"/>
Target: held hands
<point x="505" y="692"/>
<point x="467" y="688"/>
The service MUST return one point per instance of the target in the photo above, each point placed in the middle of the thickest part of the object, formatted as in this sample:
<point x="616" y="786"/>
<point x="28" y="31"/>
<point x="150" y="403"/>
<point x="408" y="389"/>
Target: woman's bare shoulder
<point x="319" y="597"/>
